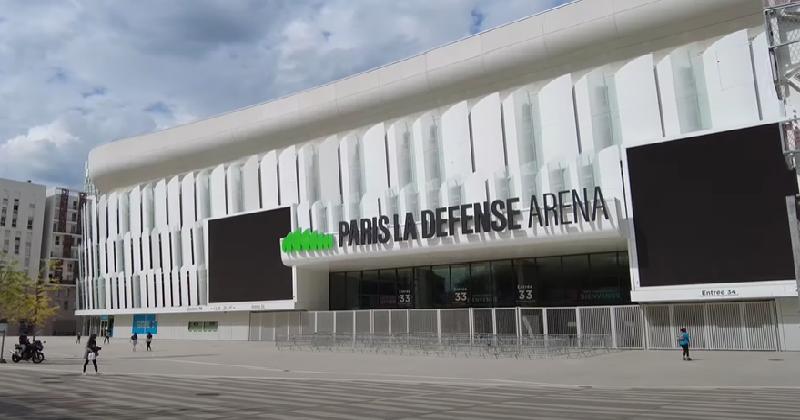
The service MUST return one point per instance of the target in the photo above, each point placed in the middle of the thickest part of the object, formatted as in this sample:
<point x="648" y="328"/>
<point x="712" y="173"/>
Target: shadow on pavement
<point x="173" y="356"/>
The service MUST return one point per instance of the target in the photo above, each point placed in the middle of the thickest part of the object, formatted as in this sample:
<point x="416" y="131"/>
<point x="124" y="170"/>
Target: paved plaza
<point x="246" y="379"/>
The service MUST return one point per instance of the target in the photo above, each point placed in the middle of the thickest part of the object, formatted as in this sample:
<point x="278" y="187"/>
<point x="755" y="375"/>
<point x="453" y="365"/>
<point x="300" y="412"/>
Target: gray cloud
<point x="77" y="74"/>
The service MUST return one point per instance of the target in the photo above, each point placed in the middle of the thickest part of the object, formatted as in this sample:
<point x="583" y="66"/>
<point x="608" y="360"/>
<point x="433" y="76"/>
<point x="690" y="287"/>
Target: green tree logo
<point x="307" y="240"/>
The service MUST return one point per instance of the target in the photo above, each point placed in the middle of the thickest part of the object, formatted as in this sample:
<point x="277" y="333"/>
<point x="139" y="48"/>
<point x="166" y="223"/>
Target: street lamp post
<point x="3" y="326"/>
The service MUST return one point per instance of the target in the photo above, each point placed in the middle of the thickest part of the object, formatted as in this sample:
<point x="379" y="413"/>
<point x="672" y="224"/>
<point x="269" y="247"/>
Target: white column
<point x="250" y="185"/>
<point x="269" y="180"/>
<point x="612" y="313"/>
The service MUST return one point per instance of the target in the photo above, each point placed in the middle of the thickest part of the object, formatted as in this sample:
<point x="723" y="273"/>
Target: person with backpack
<point x="90" y="353"/>
<point x="134" y="340"/>
<point x="149" y="340"/>
<point x="683" y="341"/>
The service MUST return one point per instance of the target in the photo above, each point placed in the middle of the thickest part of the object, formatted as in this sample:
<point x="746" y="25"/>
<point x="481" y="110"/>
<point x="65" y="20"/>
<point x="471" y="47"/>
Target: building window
<point x="14" y="213"/>
<point x="571" y="280"/>
<point x="58" y="240"/>
<point x="16" y="245"/>
<point x="191" y="244"/>
<point x="203" y="326"/>
<point x="66" y="305"/>
<point x="32" y="212"/>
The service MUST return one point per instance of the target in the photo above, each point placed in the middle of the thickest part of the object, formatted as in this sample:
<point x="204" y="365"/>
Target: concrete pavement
<point x="182" y="379"/>
<point x="261" y="359"/>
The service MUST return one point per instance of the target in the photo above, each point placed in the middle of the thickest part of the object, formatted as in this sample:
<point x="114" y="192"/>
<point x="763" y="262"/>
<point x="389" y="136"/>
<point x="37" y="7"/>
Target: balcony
<point x="70" y="230"/>
<point x="59" y="254"/>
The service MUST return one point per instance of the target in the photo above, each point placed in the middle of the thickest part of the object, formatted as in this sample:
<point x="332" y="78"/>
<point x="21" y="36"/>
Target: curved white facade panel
<point x="569" y="38"/>
<point x="147" y="245"/>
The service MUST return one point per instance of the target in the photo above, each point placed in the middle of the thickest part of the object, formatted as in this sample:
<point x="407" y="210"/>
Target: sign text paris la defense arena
<point x="562" y="208"/>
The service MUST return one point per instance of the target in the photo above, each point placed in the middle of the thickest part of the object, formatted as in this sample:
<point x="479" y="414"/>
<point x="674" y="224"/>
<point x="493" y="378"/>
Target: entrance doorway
<point x="107" y="326"/>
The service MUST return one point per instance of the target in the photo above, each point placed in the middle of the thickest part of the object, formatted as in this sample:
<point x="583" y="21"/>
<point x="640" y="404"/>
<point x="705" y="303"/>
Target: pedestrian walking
<point x="78" y="338"/>
<point x="107" y="336"/>
<point x="134" y="340"/>
<point x="90" y="353"/>
<point x="149" y="340"/>
<point x="683" y="341"/>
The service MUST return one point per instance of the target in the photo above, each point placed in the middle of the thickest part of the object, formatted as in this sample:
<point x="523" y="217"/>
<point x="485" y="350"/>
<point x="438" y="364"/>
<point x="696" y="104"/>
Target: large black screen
<point x="244" y="262"/>
<point x="712" y="209"/>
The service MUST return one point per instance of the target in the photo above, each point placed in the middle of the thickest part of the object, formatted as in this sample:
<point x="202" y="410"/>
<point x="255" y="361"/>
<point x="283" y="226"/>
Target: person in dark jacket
<point x="90" y="353"/>
<point x="149" y="340"/>
<point x="24" y="344"/>
<point x="683" y="341"/>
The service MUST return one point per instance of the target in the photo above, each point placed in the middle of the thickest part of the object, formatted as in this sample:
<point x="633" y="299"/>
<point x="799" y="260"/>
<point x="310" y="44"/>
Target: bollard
<point x="3" y="347"/>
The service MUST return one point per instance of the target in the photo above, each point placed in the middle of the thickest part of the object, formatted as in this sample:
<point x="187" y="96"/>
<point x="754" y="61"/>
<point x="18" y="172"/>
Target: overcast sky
<point x="74" y="74"/>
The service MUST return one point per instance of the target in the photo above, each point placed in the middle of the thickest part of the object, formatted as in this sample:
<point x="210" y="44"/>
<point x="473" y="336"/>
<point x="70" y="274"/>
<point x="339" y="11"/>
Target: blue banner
<point x="144" y="323"/>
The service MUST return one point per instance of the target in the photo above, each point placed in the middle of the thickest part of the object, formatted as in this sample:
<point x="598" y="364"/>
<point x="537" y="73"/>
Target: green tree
<point x="12" y="292"/>
<point x="38" y="307"/>
<point x="23" y="299"/>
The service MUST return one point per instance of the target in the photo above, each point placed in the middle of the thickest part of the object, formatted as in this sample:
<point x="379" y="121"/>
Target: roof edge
<point x="561" y="38"/>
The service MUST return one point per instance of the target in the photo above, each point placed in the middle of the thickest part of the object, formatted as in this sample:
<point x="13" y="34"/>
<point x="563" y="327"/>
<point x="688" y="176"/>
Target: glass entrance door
<point x="107" y="326"/>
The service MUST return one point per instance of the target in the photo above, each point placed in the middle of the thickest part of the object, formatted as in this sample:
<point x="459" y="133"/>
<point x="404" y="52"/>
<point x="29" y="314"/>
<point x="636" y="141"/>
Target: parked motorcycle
<point x="34" y="352"/>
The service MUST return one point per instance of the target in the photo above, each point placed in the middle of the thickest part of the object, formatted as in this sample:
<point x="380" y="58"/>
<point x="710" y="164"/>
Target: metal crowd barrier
<point x="713" y="326"/>
<point x="453" y="345"/>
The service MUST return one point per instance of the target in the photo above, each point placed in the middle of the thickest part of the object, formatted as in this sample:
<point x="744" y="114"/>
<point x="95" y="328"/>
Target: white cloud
<point x="77" y="74"/>
<point x="23" y="153"/>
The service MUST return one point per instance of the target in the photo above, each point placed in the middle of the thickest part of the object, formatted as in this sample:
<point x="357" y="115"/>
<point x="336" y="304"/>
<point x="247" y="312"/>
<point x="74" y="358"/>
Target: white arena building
<point x="606" y="167"/>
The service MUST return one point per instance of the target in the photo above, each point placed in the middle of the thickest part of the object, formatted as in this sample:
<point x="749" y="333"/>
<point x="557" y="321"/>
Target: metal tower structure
<point x="782" y="25"/>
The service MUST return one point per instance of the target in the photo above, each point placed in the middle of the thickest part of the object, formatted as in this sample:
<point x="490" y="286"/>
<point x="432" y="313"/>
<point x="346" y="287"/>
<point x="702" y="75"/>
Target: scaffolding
<point x="782" y="25"/>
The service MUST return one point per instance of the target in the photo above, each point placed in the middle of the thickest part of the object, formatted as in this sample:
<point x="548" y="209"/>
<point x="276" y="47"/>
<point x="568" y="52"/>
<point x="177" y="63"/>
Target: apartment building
<point x="61" y="246"/>
<point x="21" y="223"/>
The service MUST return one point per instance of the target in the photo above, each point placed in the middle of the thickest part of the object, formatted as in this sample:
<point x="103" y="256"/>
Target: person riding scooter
<point x="24" y="344"/>
<point x="26" y="350"/>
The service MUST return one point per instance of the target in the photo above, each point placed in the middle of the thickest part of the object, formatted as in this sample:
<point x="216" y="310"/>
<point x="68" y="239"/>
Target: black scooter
<point x="33" y="352"/>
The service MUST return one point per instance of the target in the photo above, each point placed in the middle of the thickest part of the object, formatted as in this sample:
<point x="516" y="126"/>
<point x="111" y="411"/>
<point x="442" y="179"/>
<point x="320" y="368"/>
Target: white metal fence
<point x="622" y="323"/>
<point x="713" y="326"/>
